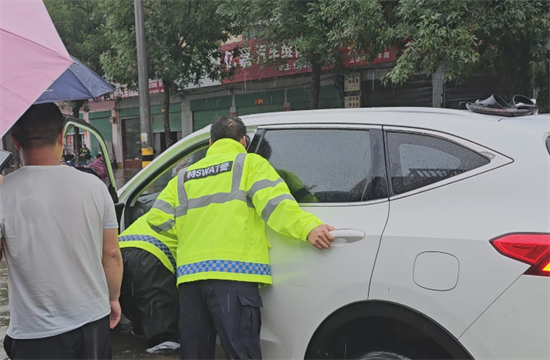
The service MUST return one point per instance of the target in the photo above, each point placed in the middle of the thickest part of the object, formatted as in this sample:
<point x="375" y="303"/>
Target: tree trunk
<point x="167" y="137"/>
<point x="315" y="86"/>
<point x="77" y="144"/>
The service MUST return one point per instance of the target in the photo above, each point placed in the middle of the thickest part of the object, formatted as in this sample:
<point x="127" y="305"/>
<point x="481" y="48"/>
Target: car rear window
<point x="548" y="144"/>
<point x="418" y="160"/>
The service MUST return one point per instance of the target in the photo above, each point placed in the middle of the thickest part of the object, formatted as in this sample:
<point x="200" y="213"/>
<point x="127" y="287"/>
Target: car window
<point x="320" y="165"/>
<point x="418" y="160"/>
<point x="548" y="144"/>
<point x="147" y="197"/>
<point x="160" y="183"/>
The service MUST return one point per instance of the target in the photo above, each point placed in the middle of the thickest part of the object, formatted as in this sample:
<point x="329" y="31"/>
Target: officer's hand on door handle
<point x="320" y="237"/>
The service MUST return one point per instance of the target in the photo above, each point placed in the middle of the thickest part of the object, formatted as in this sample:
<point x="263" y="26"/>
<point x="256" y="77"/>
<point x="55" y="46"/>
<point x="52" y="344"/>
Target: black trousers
<point x="230" y="309"/>
<point x="91" y="341"/>
<point x="149" y="296"/>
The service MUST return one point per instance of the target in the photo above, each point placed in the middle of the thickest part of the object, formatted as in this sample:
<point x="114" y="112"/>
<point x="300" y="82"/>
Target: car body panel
<point x="516" y="326"/>
<point x="449" y="223"/>
<point x="298" y="301"/>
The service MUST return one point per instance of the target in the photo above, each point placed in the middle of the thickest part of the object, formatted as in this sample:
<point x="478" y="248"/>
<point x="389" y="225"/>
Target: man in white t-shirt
<point x="59" y="232"/>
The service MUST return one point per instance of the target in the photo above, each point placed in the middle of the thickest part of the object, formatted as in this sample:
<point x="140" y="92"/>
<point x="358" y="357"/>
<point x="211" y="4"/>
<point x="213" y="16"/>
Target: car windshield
<point x="160" y="183"/>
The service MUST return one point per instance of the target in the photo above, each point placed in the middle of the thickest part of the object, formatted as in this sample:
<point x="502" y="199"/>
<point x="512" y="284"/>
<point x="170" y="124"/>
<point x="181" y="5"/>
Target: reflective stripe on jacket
<point x="218" y="209"/>
<point x="140" y="235"/>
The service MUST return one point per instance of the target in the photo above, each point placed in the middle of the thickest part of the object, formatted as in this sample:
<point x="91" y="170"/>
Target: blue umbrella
<point x="78" y="82"/>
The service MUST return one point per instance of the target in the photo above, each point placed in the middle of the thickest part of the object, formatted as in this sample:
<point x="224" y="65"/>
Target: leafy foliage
<point x="506" y="37"/>
<point x="356" y="25"/>
<point x="79" y="24"/>
<point x="182" y="39"/>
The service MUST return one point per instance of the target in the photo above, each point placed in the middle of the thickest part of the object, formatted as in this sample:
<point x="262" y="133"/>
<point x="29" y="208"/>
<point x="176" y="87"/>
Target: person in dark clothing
<point x="85" y="153"/>
<point x="149" y="297"/>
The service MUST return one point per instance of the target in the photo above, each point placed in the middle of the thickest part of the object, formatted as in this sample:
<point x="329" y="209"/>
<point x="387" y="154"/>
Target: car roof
<point x="461" y="121"/>
<point x="537" y="122"/>
<point x="380" y="116"/>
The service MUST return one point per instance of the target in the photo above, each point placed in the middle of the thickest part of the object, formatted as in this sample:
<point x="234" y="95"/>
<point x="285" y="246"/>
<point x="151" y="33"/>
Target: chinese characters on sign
<point x="260" y="61"/>
<point x="256" y="61"/>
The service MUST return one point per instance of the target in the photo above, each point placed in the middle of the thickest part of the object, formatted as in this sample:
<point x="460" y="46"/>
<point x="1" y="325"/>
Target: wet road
<point x="122" y="176"/>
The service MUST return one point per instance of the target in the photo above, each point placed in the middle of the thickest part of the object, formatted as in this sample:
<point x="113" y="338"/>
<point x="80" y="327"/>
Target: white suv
<point x="446" y="252"/>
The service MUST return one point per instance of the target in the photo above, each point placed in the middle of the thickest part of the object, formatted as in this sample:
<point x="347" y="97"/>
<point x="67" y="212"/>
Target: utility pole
<point x="143" y="77"/>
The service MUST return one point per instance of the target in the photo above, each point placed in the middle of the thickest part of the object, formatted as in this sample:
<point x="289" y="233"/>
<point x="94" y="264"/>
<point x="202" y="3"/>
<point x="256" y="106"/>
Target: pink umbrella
<point x="32" y="57"/>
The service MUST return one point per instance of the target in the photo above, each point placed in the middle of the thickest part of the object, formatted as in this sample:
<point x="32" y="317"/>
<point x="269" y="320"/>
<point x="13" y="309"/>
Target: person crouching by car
<point x="149" y="297"/>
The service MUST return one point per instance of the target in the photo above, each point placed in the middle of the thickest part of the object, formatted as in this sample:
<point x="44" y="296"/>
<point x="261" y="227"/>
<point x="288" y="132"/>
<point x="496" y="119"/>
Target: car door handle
<point x="347" y="236"/>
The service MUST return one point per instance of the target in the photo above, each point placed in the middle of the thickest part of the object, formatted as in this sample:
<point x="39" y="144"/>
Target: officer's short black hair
<point x="227" y="127"/>
<point x="39" y="126"/>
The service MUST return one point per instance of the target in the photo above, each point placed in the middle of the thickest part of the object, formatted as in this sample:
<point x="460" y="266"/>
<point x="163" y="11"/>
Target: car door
<point x="336" y="172"/>
<point x="70" y="123"/>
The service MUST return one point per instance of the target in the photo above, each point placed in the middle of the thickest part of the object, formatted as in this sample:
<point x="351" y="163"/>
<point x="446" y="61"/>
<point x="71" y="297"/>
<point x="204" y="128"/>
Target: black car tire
<point x="384" y="355"/>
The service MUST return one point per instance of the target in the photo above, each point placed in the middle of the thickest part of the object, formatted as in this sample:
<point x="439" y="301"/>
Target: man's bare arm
<point x="112" y="265"/>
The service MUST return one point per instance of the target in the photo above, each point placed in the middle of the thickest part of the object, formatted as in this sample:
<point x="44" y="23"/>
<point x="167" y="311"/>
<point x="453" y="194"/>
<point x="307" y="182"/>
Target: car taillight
<point x="533" y="249"/>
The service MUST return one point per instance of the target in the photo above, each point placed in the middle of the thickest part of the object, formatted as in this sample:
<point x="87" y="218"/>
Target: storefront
<point x="100" y="120"/>
<point x="206" y="110"/>
<point x="157" y="126"/>
<point x="131" y="132"/>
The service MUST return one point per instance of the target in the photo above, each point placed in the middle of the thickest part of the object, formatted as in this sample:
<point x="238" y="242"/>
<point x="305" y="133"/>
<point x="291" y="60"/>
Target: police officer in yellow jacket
<point x="149" y="296"/>
<point x="218" y="209"/>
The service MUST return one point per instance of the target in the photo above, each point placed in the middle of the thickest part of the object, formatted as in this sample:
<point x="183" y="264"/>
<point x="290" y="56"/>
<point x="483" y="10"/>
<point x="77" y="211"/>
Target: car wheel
<point x="385" y="355"/>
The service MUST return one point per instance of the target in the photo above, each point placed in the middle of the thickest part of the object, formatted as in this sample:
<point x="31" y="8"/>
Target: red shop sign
<point x="259" y="61"/>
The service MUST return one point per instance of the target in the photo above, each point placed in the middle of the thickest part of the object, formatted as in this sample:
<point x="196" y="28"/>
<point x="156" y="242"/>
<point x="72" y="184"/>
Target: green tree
<point x="311" y="27"/>
<point x="79" y="23"/>
<point x="183" y="44"/>
<point x="504" y="37"/>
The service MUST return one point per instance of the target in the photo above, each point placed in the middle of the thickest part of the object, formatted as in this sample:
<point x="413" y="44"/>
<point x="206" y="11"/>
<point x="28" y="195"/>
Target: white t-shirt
<point x="51" y="221"/>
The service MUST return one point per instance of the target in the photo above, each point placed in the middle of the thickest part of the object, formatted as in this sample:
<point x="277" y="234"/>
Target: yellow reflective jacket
<point x="296" y="187"/>
<point x="140" y="235"/>
<point x="218" y="209"/>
